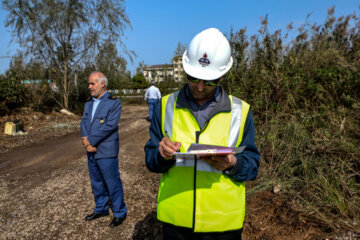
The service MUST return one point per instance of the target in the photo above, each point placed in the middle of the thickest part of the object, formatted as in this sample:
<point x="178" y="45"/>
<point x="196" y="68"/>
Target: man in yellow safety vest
<point x="203" y="197"/>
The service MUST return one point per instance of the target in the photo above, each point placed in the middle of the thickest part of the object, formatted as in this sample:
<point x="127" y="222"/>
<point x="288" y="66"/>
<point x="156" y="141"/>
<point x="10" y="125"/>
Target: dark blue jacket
<point x="102" y="131"/>
<point x="247" y="164"/>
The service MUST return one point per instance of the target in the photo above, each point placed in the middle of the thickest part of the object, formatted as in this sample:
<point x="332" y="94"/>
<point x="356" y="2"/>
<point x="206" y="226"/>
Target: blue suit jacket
<point x="102" y="131"/>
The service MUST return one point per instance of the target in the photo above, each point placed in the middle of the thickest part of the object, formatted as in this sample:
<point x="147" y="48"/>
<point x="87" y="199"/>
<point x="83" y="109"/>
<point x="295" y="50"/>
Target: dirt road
<point x="45" y="192"/>
<point x="45" y="188"/>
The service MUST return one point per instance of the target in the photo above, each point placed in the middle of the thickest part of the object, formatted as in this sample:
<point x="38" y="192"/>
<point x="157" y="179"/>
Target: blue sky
<point x="159" y="25"/>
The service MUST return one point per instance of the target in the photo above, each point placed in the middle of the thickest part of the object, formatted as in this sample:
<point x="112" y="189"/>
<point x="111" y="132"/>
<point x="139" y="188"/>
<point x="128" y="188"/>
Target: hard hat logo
<point x="204" y="61"/>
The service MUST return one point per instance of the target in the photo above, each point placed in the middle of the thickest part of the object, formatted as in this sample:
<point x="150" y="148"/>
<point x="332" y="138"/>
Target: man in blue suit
<point x="99" y="132"/>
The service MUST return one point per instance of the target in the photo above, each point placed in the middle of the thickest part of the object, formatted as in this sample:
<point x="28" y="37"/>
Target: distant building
<point x="158" y="73"/>
<point x="178" y="69"/>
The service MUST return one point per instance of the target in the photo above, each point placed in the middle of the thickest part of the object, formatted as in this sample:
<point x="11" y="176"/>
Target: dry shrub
<point x="305" y="96"/>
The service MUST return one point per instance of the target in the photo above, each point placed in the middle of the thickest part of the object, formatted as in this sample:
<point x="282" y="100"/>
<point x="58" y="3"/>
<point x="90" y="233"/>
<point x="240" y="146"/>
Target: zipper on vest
<point x="197" y="138"/>
<point x="194" y="208"/>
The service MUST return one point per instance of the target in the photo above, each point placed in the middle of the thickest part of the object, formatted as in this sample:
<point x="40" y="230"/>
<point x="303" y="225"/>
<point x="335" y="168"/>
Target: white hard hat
<point x="208" y="56"/>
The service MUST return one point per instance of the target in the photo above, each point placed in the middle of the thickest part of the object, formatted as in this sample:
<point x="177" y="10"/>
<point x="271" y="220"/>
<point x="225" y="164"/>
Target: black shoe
<point x="116" y="221"/>
<point x="95" y="216"/>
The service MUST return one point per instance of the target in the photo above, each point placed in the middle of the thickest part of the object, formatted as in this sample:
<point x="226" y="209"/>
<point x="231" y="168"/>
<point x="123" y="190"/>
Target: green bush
<point x="43" y="97"/>
<point x="12" y="95"/>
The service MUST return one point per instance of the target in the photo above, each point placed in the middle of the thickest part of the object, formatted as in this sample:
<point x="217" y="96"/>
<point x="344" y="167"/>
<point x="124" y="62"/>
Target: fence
<point x="126" y="91"/>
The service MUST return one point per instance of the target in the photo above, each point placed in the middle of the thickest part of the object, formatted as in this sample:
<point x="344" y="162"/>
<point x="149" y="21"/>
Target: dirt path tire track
<point x="41" y="156"/>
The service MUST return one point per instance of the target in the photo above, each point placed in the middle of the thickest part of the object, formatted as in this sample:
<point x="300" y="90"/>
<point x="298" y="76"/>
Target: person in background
<point x="152" y="97"/>
<point x="100" y="138"/>
<point x="203" y="197"/>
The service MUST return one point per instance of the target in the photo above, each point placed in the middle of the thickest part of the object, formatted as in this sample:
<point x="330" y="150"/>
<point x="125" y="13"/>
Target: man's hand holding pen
<point x="167" y="147"/>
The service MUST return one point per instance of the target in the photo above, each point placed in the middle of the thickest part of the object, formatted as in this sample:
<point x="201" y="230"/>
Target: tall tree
<point x="139" y="81"/>
<point x="140" y="68"/>
<point x="65" y="32"/>
<point x="17" y="67"/>
<point x="113" y="66"/>
<point x="180" y="49"/>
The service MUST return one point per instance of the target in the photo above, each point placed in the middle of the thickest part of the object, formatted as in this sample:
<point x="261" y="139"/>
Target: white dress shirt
<point x="152" y="93"/>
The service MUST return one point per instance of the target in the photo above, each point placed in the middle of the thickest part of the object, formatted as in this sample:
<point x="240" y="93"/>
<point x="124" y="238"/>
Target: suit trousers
<point x="106" y="184"/>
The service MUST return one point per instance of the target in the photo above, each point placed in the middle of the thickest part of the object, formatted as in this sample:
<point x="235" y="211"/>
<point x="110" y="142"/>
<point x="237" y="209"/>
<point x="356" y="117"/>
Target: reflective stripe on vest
<point x="177" y="200"/>
<point x="168" y="113"/>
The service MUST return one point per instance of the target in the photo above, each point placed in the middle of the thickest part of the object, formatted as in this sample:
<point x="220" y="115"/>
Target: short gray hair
<point x="100" y="78"/>
<point x="103" y="79"/>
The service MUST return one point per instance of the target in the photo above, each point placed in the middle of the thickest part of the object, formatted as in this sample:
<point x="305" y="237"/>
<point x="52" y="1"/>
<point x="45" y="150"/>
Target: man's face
<point x="200" y="91"/>
<point x="96" y="89"/>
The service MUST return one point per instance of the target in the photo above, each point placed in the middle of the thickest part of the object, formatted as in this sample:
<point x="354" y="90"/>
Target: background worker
<point x="152" y="97"/>
<point x="203" y="198"/>
<point x="99" y="132"/>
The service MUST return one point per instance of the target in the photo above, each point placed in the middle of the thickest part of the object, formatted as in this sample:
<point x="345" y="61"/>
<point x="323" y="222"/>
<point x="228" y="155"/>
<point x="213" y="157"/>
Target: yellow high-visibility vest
<point x="192" y="193"/>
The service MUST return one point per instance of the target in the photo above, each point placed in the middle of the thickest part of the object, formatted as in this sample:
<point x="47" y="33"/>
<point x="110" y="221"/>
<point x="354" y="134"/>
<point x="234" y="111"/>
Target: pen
<point x="167" y="135"/>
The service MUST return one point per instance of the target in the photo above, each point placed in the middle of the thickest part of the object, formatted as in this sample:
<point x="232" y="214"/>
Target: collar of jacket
<point x="223" y="105"/>
<point x="102" y="97"/>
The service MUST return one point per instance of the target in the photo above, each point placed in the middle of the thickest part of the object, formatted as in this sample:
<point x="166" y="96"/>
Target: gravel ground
<point x="45" y="190"/>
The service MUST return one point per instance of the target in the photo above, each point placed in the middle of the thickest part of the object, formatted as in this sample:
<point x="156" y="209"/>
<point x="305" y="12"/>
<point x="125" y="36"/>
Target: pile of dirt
<point x="271" y="216"/>
<point x="37" y="127"/>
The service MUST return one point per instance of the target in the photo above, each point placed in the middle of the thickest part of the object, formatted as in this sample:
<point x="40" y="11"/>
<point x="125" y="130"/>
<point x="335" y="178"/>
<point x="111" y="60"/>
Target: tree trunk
<point x="65" y="93"/>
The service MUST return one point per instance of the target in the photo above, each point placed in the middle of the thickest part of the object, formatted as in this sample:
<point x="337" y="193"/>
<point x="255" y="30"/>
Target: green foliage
<point x="34" y="92"/>
<point x="12" y="95"/>
<point x="42" y="97"/>
<point x="316" y="159"/>
<point x="169" y="85"/>
<point x="113" y="66"/>
<point x="81" y="94"/>
<point x="63" y="35"/>
<point x="305" y="96"/>
<point x="139" y="81"/>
